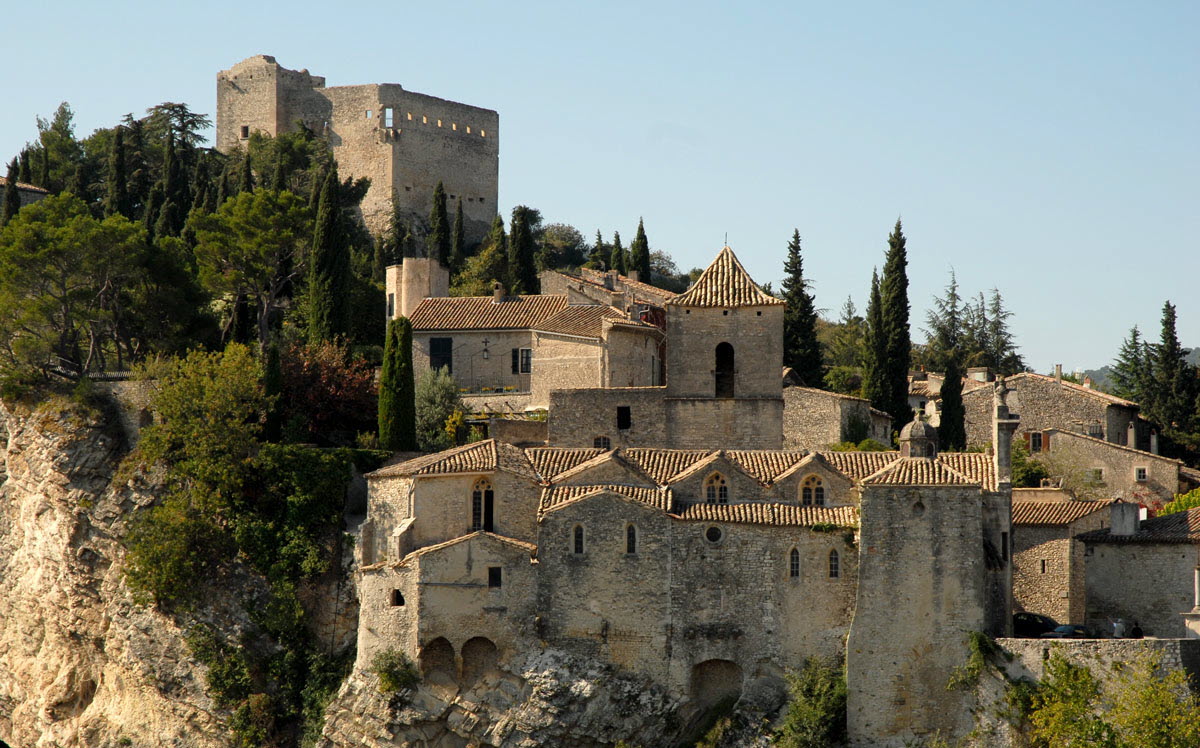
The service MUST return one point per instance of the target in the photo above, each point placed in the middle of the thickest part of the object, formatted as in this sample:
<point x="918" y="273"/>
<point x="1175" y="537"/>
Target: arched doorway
<point x="478" y="657"/>
<point x="714" y="682"/>
<point x="437" y="659"/>
<point x="724" y="370"/>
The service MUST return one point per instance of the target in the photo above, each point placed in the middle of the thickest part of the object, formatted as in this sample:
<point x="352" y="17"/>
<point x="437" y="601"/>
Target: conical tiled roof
<point x="724" y="283"/>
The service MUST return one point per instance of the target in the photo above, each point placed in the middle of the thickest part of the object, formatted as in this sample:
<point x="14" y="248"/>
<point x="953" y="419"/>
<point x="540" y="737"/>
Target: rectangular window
<point x="1004" y="547"/>
<point x="624" y="417"/>
<point x="391" y="305"/>
<point x="495" y="576"/>
<point x="441" y="354"/>
<point x="1096" y="430"/>
<point x="526" y="360"/>
<point x="1035" y="442"/>
<point x="368" y="114"/>
<point x="1043" y="566"/>
<point x="1139" y="474"/>
<point x="245" y="131"/>
<point x="389" y="116"/>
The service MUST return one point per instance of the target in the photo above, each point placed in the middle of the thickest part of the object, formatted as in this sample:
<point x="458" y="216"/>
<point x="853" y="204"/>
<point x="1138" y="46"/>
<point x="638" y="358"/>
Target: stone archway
<point x="437" y="660"/>
<point x="478" y="658"/>
<point x="714" y="682"/>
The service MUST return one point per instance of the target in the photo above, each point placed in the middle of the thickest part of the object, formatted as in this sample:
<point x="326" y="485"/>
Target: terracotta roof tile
<point x="480" y="457"/>
<point x="482" y="313"/>
<point x="766" y="465"/>
<point x="1053" y="512"/>
<point x="977" y="466"/>
<point x="724" y="283"/>
<point x="585" y="320"/>
<point x="918" y="471"/>
<point x="858" y="465"/>
<point x="556" y="496"/>
<point x="552" y="461"/>
<point x="24" y="186"/>
<point x="769" y="514"/>
<point x="1181" y="527"/>
<point x="664" y="464"/>
<point x="647" y="292"/>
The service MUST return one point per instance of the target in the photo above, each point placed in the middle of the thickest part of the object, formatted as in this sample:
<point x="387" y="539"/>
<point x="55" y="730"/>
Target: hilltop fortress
<point x="401" y="140"/>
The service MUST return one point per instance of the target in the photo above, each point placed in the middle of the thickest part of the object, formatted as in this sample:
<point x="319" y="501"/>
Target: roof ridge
<point x="725" y="283"/>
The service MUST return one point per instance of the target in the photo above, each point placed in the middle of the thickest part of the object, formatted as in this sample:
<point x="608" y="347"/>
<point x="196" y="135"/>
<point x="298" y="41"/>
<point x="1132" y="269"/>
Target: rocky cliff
<point x="80" y="664"/>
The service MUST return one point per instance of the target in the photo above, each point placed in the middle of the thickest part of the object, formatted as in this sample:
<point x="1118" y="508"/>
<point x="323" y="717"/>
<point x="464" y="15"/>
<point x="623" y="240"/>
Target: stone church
<point x="666" y="532"/>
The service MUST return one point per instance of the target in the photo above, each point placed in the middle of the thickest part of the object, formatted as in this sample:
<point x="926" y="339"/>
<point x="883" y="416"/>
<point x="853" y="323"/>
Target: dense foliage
<point x="816" y="711"/>
<point x="436" y="402"/>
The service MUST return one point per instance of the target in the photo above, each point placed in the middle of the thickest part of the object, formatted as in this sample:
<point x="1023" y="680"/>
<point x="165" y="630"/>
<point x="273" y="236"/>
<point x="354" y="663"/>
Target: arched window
<point x="578" y="538"/>
<point x="716" y="490"/>
<point x="812" y="492"/>
<point x="483" y="500"/>
<point x="834" y="570"/>
<point x="724" y="370"/>
<point x="794" y="564"/>
<point x="630" y="539"/>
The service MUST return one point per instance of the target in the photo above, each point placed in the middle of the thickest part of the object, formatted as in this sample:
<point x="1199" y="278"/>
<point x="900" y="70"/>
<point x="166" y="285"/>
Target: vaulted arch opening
<point x="437" y="658"/>
<point x="715" y="682"/>
<point x="478" y="658"/>
<point x="724" y="370"/>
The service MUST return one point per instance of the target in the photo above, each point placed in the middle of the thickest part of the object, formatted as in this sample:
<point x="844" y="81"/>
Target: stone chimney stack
<point x="1131" y="434"/>
<point x="1004" y="424"/>
<point x="610" y="280"/>
<point x="497" y="292"/>
<point x="635" y="275"/>
<point x="1123" y="518"/>
<point x="1153" y="442"/>
<point x="1058" y="373"/>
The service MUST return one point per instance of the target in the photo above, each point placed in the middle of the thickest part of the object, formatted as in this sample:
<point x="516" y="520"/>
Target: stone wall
<point x="27" y="195"/>
<point x="1080" y="456"/>
<point x="1101" y="656"/>
<point x="756" y="334"/>
<point x="469" y="368"/>
<point x="815" y="419"/>
<point x="1150" y="583"/>
<point x="579" y="417"/>
<point x="631" y="358"/>
<point x="520" y="432"/>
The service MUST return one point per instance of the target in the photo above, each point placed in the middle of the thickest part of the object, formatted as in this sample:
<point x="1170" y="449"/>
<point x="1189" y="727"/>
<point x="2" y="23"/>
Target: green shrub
<point x="170" y="547"/>
<point x="816" y="713"/>
<point x="870" y="445"/>
<point x="395" y="670"/>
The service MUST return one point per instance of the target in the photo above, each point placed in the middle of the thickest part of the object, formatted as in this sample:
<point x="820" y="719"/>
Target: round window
<point x="713" y="534"/>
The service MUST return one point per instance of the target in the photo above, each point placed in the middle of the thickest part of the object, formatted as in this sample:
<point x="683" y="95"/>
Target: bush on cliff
<point x="816" y="713"/>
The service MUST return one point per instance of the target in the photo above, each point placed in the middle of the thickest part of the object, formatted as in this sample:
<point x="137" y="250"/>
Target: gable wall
<point x="1150" y="583"/>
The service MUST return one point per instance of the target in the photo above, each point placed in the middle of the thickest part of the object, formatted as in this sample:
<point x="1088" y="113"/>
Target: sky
<point x="1050" y="150"/>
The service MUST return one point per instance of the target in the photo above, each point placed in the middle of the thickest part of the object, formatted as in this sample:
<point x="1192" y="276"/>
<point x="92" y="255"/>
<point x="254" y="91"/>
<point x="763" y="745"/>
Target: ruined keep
<point x="400" y="140"/>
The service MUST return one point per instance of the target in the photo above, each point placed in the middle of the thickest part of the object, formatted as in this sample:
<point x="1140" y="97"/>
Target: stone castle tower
<point x="400" y="140"/>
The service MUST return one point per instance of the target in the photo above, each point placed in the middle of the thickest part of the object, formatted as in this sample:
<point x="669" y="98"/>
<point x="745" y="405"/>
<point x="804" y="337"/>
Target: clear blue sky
<point x="1049" y="149"/>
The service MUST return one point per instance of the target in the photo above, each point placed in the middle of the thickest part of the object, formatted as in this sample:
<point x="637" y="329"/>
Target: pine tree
<point x="329" y="268"/>
<point x="12" y="196"/>
<point x="846" y="348"/>
<point x="945" y="320"/>
<point x="522" y="269"/>
<point x="1129" y="370"/>
<point x="875" y="387"/>
<point x="397" y="412"/>
<point x="44" y="174"/>
<point x="438" y="241"/>
<point x="458" y="237"/>
<point x="1002" y="350"/>
<point x="801" y="351"/>
<point x="952" y="430"/>
<point x="893" y="294"/>
<point x="1172" y="384"/>
<point x="116" y="197"/>
<point x="639" y="254"/>
<point x="616" y="260"/>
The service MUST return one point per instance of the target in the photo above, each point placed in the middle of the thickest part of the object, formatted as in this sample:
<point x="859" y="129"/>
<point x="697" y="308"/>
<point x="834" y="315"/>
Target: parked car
<point x="1032" y="625"/>
<point x="1068" y="631"/>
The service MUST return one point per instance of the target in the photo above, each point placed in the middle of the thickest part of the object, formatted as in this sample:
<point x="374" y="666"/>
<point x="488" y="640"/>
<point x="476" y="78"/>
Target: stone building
<point x="28" y="192"/>
<point x="1103" y="468"/>
<point x="1046" y="402"/>
<point x="588" y="286"/>
<point x="721" y="388"/>
<point x="815" y="419"/>
<point x="1048" y="560"/>
<point x="1142" y="571"/>
<point x="401" y="140"/>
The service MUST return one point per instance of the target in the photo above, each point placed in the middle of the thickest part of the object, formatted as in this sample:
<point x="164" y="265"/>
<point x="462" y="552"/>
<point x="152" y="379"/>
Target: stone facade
<point x="400" y="140"/>
<point x="815" y="419"/>
<point x="28" y="192"/>
<point x="1109" y="469"/>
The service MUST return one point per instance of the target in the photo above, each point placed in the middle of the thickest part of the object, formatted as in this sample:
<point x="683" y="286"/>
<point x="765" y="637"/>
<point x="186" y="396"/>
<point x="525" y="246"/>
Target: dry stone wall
<point x="1150" y="583"/>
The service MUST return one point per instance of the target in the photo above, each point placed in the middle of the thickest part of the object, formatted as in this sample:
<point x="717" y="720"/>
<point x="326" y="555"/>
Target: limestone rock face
<point x="80" y="664"/>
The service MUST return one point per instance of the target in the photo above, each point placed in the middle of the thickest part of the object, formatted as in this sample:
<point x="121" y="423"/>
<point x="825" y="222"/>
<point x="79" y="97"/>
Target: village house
<point x="1101" y="468"/>
<point x="817" y="419"/>
<point x="29" y="193"/>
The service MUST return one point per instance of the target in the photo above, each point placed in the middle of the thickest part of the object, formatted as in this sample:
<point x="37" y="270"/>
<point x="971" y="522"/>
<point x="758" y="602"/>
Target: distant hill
<point x="1102" y="377"/>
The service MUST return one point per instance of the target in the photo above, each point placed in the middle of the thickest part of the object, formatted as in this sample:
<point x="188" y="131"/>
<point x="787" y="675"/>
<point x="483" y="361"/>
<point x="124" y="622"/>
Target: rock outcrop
<point x="80" y="664"/>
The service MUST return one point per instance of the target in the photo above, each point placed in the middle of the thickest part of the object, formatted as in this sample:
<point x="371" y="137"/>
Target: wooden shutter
<point x="516" y="360"/>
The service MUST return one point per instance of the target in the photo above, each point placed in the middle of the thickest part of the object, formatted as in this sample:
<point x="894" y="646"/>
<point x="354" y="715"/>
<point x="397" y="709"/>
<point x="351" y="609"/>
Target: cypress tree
<point x="137" y="169"/>
<point x="952" y="431"/>
<point x="397" y="410"/>
<point x="77" y="186"/>
<point x="222" y="190"/>
<point x="44" y="174"/>
<point x="616" y="260"/>
<point x="154" y="204"/>
<point x="893" y="294"/>
<point x="457" y="239"/>
<point x="438" y="241"/>
<point x="329" y="269"/>
<point x="639" y="254"/>
<point x="26" y="171"/>
<point x="598" y="257"/>
<point x="875" y="385"/>
<point x="1172" y="382"/>
<point x="116" y="197"/>
<point x="521" y="266"/>
<point x="12" y="196"/>
<point x="246" y="183"/>
<point x="801" y="351"/>
<point x="273" y="387"/>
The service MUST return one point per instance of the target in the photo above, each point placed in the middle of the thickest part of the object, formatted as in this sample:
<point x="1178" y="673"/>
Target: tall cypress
<point x="598" y="257"/>
<point x="438" y="241"/>
<point x="44" y="174"/>
<point x="246" y="183"/>
<point x="952" y="430"/>
<point x="154" y="204"/>
<point x="521" y="267"/>
<point x="457" y="238"/>
<point x="397" y="409"/>
<point x="12" y="196"/>
<point x="616" y="260"/>
<point x="639" y="254"/>
<point x="26" y="170"/>
<point x="1172" y="383"/>
<point x="273" y="387"/>
<point x="875" y="385"/>
<point x="801" y="351"/>
<point x="116" y="197"/>
<point x="329" y="268"/>
<point x="893" y="294"/>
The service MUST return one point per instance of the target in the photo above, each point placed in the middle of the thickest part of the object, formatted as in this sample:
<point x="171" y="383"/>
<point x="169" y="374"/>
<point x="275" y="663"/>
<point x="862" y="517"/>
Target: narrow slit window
<point x="835" y="570"/>
<point x="630" y="539"/>
<point x="794" y="564"/>
<point x="245" y="131"/>
<point x="577" y="539"/>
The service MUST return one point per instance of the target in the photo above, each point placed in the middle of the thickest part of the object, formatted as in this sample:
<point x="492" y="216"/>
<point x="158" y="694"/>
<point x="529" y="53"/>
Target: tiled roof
<point x="1089" y="391"/>
<point x="482" y="313"/>
<point x="586" y="320"/>
<point x="549" y="462"/>
<point x="24" y="186"/>
<point x="977" y="466"/>
<point x="556" y="496"/>
<point x="1053" y="512"/>
<point x="530" y="547"/>
<point x="664" y="464"/>
<point x="1181" y="527"/>
<point x="479" y="457"/>
<point x="911" y="471"/>
<point x="858" y="465"/>
<point x="769" y="514"/>
<point x="765" y="466"/>
<point x="1112" y="445"/>
<point x="596" y="277"/>
<point x="724" y="283"/>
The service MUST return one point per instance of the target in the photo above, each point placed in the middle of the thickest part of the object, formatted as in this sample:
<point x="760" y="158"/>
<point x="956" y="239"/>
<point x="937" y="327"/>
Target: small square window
<point x="602" y="442"/>
<point x="482" y="134"/>
<point x="408" y="188"/>
<point x="424" y="120"/>
<point x="481" y="199"/>
<point x="368" y="114"/>
<point x="495" y="576"/>
<point x="1140" y="474"/>
<point x="397" y="599"/>
<point x="624" y="417"/>
<point x="1097" y="475"/>
<point x="439" y="123"/>
<point x="468" y="129"/>
<point x="410" y="116"/>
<point x="454" y="126"/>
<point x="245" y="131"/>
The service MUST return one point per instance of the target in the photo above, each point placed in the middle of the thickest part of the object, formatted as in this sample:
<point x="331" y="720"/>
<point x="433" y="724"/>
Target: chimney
<point x="1058" y="372"/>
<point x="634" y="275"/>
<point x="610" y="280"/>
<point x="1087" y="382"/>
<point x="1153" y="442"/>
<point x="979" y="373"/>
<point x="1131" y="435"/>
<point x="1123" y="518"/>
<point x="1004" y="423"/>
<point x="497" y="292"/>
